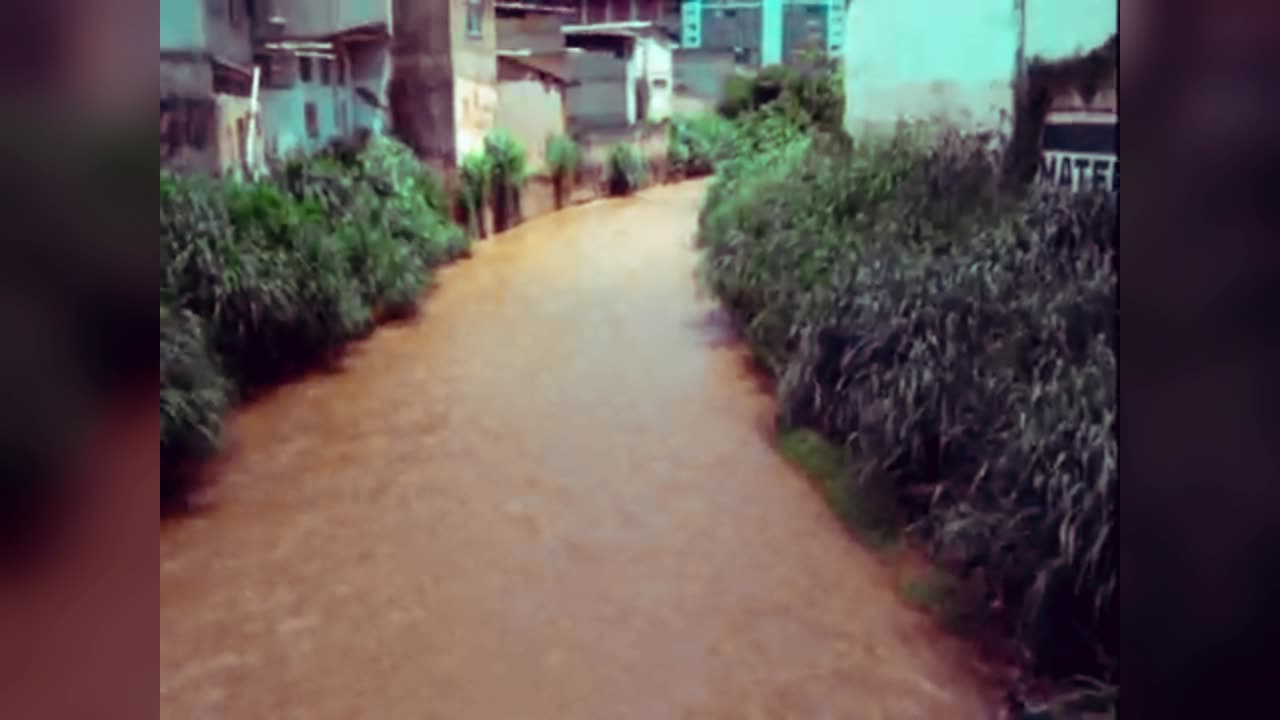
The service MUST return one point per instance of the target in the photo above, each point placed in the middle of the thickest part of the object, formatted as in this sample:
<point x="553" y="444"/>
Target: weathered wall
<point x="206" y="135"/>
<point x="314" y="18"/>
<point x="920" y="59"/>
<point x="804" y="26"/>
<point x="702" y="73"/>
<point x="602" y="96"/>
<point x="370" y="65"/>
<point x="475" y="77"/>
<point x="539" y="33"/>
<point x="188" y="133"/>
<point x="232" y="129"/>
<point x="182" y="25"/>
<point x="957" y="61"/>
<point x="531" y="107"/>
<point x="227" y="30"/>
<point x="659" y="77"/>
<point x="189" y="76"/>
<point x="1058" y="29"/>
<point x="421" y="88"/>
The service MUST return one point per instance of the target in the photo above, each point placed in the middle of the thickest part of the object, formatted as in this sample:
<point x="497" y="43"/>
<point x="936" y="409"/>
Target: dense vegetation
<point x="261" y="280"/>
<point x="952" y="335"/>
<point x="564" y="157"/>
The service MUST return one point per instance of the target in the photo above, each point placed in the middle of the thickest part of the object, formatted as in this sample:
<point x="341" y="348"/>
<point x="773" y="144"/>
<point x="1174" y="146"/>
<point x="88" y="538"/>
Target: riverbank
<point x="549" y="495"/>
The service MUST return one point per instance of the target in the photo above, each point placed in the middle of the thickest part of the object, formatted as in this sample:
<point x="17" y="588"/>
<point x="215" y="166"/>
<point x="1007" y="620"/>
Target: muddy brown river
<point x="552" y="495"/>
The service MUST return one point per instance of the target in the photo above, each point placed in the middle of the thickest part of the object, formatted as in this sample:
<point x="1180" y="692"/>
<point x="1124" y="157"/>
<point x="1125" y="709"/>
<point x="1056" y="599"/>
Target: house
<point x="206" y="80"/>
<point x="533" y="73"/>
<point x="443" y="91"/>
<point x="624" y="72"/>
<point x="325" y="66"/>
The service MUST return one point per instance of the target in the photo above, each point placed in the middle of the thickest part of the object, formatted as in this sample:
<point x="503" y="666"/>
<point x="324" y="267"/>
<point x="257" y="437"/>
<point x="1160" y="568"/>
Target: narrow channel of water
<point x="553" y="495"/>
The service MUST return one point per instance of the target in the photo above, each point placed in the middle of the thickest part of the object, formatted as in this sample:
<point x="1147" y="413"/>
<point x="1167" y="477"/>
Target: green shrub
<point x="695" y="145"/>
<point x="563" y="159"/>
<point x="262" y="280"/>
<point x="626" y="170"/>
<point x="473" y="190"/>
<point x="507" y="175"/>
<point x="194" y="397"/>
<point x="959" y="337"/>
<point x="810" y="90"/>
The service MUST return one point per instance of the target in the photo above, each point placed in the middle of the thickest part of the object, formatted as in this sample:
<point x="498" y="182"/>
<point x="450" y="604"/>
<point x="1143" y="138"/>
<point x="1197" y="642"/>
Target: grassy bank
<point x="263" y="280"/>
<point x="943" y="337"/>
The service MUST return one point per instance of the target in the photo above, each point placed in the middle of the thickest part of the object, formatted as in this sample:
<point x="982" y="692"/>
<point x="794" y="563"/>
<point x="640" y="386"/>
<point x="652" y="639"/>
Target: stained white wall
<point x="658" y="75"/>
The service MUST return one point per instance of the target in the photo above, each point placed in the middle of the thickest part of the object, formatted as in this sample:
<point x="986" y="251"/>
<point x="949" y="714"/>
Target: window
<point x="326" y="71"/>
<point x="475" y="18"/>
<point x="304" y="69"/>
<point x="313" y="120"/>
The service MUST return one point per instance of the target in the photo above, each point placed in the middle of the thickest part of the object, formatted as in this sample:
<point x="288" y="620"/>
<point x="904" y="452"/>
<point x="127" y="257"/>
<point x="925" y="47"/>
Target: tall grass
<point x="958" y="337"/>
<point x="262" y="280"/>
<point x="507" y="175"/>
<point x="473" y="190"/>
<point x="625" y="170"/>
<point x="563" y="159"/>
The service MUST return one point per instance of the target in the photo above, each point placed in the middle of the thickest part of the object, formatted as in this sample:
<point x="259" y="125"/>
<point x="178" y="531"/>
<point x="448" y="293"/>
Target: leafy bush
<point x="473" y="190"/>
<point x="262" y="280"/>
<point x="959" y="338"/>
<point x="810" y="90"/>
<point x="194" y="396"/>
<point x="563" y="158"/>
<point x="695" y="145"/>
<point x="507" y="174"/>
<point x="626" y="170"/>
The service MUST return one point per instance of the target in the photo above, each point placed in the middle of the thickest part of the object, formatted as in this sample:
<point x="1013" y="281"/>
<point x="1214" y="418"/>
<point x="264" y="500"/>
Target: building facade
<point x="444" y="83"/>
<point x="762" y="32"/>
<point x="326" y="65"/>
<point x="206" y="76"/>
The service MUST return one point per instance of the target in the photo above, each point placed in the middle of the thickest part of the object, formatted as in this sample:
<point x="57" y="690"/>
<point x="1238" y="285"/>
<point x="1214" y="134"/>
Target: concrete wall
<point x="920" y="59"/>
<point x="226" y="29"/>
<point x="421" y="88"/>
<point x="1058" y="29"/>
<point x="188" y="133"/>
<point x="185" y="77"/>
<point x="370" y="68"/>
<point x="702" y="73"/>
<point x="475" y="78"/>
<point x="658" y="77"/>
<point x="539" y="33"/>
<point x="182" y="25"/>
<point x="803" y="26"/>
<point x="935" y="58"/>
<point x="604" y="96"/>
<point x="313" y="18"/>
<point x="531" y="107"/>
<point x="284" y="117"/>
<point x="232" y="129"/>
